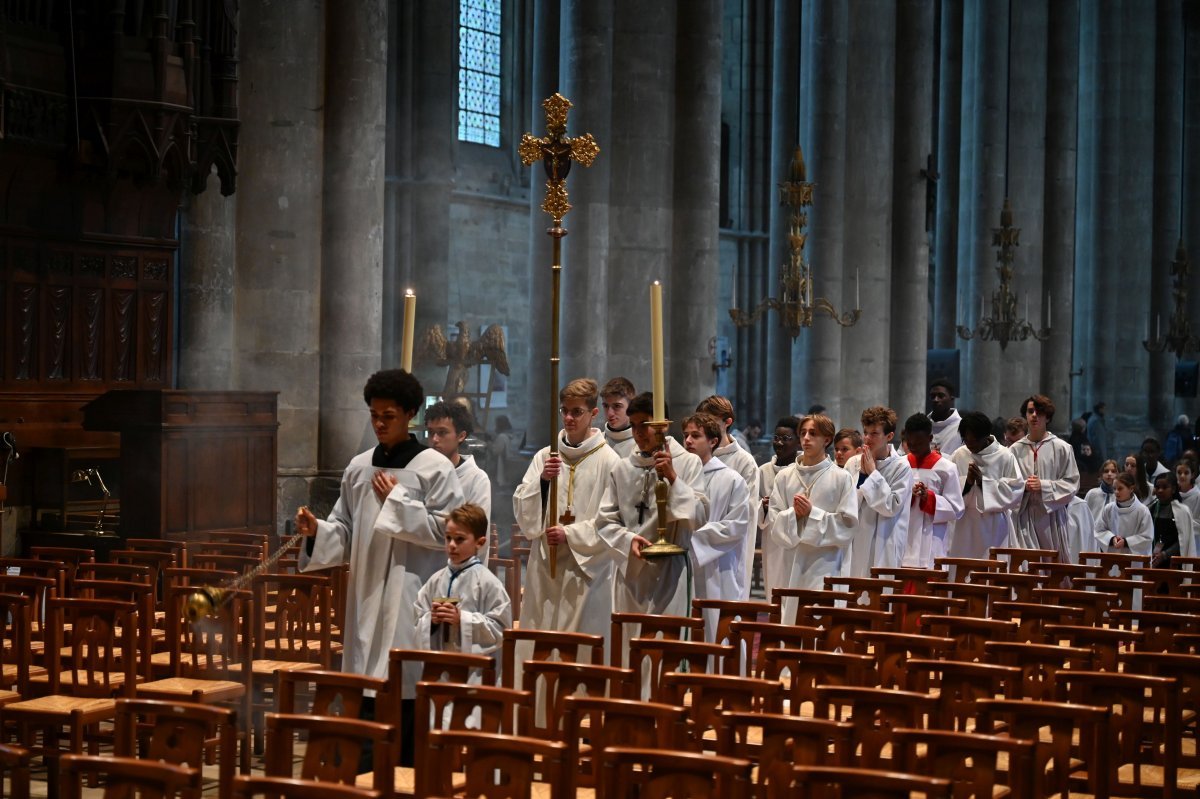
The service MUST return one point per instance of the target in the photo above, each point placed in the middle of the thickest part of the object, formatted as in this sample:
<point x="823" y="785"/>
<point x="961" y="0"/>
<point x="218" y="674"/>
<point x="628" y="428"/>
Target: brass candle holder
<point x="664" y="547"/>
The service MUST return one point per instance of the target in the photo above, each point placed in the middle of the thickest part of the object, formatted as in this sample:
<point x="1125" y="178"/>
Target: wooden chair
<point x="806" y="670"/>
<point x="1063" y="575"/>
<point x="121" y="572"/>
<point x="776" y="743"/>
<point x="14" y="761"/>
<point x="1069" y="741"/>
<point x="959" y="569"/>
<point x="1020" y="585"/>
<point x="177" y="549"/>
<point x="754" y="638"/>
<point x="1106" y="643"/>
<point x="719" y="614"/>
<point x="552" y="681"/>
<point x="606" y="723"/>
<point x="1159" y="628"/>
<point x="970" y="761"/>
<point x="830" y="782"/>
<point x="654" y="657"/>
<point x="654" y="774"/>
<point x="1166" y="603"/>
<point x="1143" y="746"/>
<point x="141" y="595"/>
<point x="499" y="765"/>
<point x="202" y="549"/>
<point x="907" y="609"/>
<point x="284" y="788"/>
<point x="893" y="650"/>
<point x="713" y="694"/>
<point x="1019" y="559"/>
<point x="960" y="686"/>
<point x="1113" y="564"/>
<point x="979" y="595"/>
<point x="88" y="667"/>
<point x="1039" y="664"/>
<point x="914" y="580"/>
<point x="16" y="657"/>
<point x="333" y="748"/>
<point x="866" y="592"/>
<point x="648" y="625"/>
<point x="240" y="564"/>
<point x="1128" y="592"/>
<point x="508" y="571"/>
<point x="1185" y="669"/>
<point x="1094" y="604"/>
<point x="874" y="713"/>
<point x="127" y="776"/>
<point x="334" y="693"/>
<point x="546" y="645"/>
<point x="970" y="634"/>
<point x="177" y="733"/>
<point x="69" y="557"/>
<point x="840" y="624"/>
<point x="1033" y="617"/>
<point x="792" y="600"/>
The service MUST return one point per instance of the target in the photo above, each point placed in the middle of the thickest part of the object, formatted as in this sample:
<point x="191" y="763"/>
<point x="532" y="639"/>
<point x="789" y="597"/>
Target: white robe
<point x="393" y="549"/>
<point x="484" y="608"/>
<point x="929" y="526"/>
<point x="1133" y="523"/>
<point x="1042" y="521"/>
<point x="988" y="507"/>
<point x="722" y="526"/>
<point x="477" y="489"/>
<point x="772" y="566"/>
<point x="882" y="534"/>
<point x="740" y="460"/>
<point x="813" y="548"/>
<point x="621" y="441"/>
<point x="659" y="585"/>
<point x="579" y="598"/>
<point x="1096" y="499"/>
<point x="946" y="439"/>
<point x="1189" y="545"/>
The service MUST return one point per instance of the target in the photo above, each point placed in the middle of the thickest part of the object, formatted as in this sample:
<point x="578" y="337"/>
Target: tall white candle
<point x="410" y="322"/>
<point x="656" y="352"/>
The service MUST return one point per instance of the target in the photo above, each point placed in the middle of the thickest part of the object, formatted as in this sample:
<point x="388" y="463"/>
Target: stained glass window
<point x="479" y="71"/>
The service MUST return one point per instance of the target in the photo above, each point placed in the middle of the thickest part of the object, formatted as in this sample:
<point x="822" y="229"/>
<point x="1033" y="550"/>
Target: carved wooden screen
<point x="85" y="317"/>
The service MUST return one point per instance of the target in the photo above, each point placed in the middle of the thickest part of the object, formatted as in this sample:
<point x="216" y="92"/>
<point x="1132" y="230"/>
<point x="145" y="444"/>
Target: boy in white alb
<point x="992" y="490"/>
<point x="447" y="425"/>
<point x="786" y="443"/>
<point x="614" y="398"/>
<point x="737" y="457"/>
<point x="944" y="416"/>
<point x="937" y="500"/>
<point x="884" y="481"/>
<point x="1047" y="463"/>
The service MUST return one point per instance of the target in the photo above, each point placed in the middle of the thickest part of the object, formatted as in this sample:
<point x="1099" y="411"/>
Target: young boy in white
<point x="1051" y="479"/>
<point x="463" y="607"/>
<point x="735" y="456"/>
<point x="814" y="509"/>
<point x="614" y="398"/>
<point x="579" y="597"/>
<point x="945" y="418"/>
<point x="447" y="425"/>
<point x="786" y="443"/>
<point x="1125" y="525"/>
<point x="722" y="521"/>
<point x="992" y="490"/>
<point x="937" y="500"/>
<point x="628" y="518"/>
<point x="884" y="481"/>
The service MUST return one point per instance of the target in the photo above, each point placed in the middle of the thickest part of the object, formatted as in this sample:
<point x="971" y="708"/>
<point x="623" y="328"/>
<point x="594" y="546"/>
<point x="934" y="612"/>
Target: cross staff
<point x="556" y="151"/>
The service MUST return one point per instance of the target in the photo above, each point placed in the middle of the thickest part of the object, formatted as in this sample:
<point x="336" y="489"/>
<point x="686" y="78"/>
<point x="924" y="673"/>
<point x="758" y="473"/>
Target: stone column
<point x="785" y="137"/>
<point x="352" y="241"/>
<point x="820" y="379"/>
<point x="277" y="283"/>
<point x="695" y="256"/>
<point x="1191" y="211"/>
<point x="206" y="259"/>
<point x="1058" y="283"/>
<point x="1084" y="387"/>
<point x="946" y="312"/>
<point x="870" y="126"/>
<point x="910" y="241"/>
<point x="641" y="159"/>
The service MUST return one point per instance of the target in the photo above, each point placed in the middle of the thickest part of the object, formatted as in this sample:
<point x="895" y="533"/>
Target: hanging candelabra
<point x="1004" y="325"/>
<point x="796" y="303"/>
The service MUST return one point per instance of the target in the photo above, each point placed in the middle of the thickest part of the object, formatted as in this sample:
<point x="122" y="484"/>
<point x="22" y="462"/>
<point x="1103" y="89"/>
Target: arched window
<point x="479" y="71"/>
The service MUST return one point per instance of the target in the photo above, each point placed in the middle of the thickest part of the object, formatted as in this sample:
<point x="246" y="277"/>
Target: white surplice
<point x="929" y="523"/>
<point x="393" y="548"/>
<point x="659" y="585"/>
<point x="579" y="597"/>
<point x="477" y="489"/>
<point x="741" y="461"/>
<point x="813" y="548"/>
<point x="1042" y="521"/>
<point x="946" y="438"/>
<point x="1130" y="521"/>
<point x="882" y="533"/>
<point x="1097" y="498"/>
<point x="772" y="566"/>
<point x="722" y="526"/>
<point x="621" y="441"/>
<point x="988" y="507"/>
<point x="484" y="608"/>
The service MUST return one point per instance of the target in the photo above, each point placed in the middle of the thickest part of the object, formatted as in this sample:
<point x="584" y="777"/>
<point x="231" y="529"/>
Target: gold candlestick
<point x="664" y="547"/>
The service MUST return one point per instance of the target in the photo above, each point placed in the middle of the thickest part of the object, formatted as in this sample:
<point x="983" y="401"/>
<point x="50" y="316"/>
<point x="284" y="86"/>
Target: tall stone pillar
<point x="870" y="128"/>
<point x="825" y="80"/>
<point x="946" y="310"/>
<point x="1084" y="386"/>
<point x="277" y="283"/>
<point x="206" y="259"/>
<point x="785" y="137"/>
<point x="546" y="33"/>
<point x="352" y="234"/>
<point x="1058" y="277"/>
<point x="695" y="256"/>
<point x="1191" y="155"/>
<point x="642" y="157"/>
<point x="910" y="242"/>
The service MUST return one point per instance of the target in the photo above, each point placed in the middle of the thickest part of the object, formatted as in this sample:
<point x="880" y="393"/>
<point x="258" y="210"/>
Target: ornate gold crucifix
<point x="556" y="151"/>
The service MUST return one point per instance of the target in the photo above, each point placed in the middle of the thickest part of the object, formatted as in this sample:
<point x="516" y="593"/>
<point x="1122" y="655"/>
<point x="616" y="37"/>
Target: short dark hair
<point x="644" y="403"/>
<point x="918" y="423"/>
<point x="850" y="433"/>
<point x="718" y="406"/>
<point x="459" y="416"/>
<point x="1042" y="403"/>
<point x="976" y="423"/>
<point x="790" y="422"/>
<point x="471" y="518"/>
<point x="396" y="385"/>
<point x="945" y="383"/>
<point x="1096" y="408"/>
<point x="707" y="423"/>
<point x="618" y="387"/>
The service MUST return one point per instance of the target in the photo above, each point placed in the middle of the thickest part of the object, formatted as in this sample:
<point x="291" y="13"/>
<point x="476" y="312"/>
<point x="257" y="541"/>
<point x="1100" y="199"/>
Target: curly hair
<point x="459" y="416"/>
<point x="877" y="414"/>
<point x="396" y="385"/>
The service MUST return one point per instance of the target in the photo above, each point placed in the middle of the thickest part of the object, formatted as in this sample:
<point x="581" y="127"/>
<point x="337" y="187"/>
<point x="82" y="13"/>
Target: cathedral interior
<point x="219" y="207"/>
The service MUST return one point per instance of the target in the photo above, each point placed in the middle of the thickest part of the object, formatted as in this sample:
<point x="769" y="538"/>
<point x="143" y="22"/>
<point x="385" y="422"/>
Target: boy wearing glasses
<point x="579" y="597"/>
<point x="786" y="444"/>
<point x="447" y="425"/>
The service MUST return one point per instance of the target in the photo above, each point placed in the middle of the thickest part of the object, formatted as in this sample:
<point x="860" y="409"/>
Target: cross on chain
<point x="556" y="151"/>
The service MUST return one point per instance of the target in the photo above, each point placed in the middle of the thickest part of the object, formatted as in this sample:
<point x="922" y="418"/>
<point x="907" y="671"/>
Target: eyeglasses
<point x="782" y="439"/>
<point x="573" y="413"/>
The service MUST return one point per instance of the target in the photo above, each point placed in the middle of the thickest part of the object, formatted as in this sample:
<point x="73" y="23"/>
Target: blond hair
<point x="582" y="388"/>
